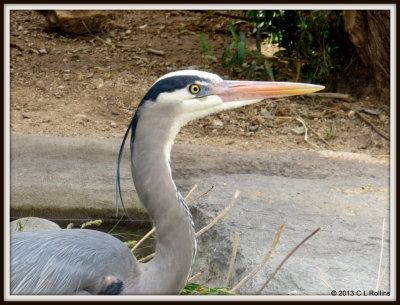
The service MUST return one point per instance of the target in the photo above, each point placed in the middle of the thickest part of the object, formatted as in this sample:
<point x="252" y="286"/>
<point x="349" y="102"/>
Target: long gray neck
<point x="167" y="273"/>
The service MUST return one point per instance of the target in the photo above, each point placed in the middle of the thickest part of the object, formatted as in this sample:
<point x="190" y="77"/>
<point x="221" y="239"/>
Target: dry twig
<point x="233" y="258"/>
<point x="200" y="196"/>
<point x="306" y="132"/>
<point x="316" y="133"/>
<point x="146" y="258"/>
<point x="299" y="118"/>
<point x="321" y="138"/>
<point x="129" y="46"/>
<point x="143" y="239"/>
<point x="263" y="261"/>
<point x="380" y="258"/>
<point x="285" y="259"/>
<point x="341" y="96"/>
<point x="380" y="132"/>
<point x="156" y="52"/>
<point x="275" y="117"/>
<point x="191" y="191"/>
<point x="192" y="278"/>
<point x="305" y="128"/>
<point x="364" y="118"/>
<point x="220" y="216"/>
<point x="327" y="284"/>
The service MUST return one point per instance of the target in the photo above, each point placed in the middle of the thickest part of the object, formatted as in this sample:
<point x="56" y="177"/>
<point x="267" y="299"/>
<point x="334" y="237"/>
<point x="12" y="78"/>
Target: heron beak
<point x="230" y="91"/>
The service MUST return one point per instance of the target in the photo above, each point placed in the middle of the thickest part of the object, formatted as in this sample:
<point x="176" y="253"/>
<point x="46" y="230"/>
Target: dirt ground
<point x="90" y="85"/>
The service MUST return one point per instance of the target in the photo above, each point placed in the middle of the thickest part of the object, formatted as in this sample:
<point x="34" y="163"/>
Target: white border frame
<point x="393" y="260"/>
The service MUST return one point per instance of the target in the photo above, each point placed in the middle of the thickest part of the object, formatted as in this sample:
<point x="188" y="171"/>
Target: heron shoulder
<point x="72" y="254"/>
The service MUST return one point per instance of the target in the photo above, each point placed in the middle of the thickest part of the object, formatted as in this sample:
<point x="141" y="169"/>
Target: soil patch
<point x="90" y="85"/>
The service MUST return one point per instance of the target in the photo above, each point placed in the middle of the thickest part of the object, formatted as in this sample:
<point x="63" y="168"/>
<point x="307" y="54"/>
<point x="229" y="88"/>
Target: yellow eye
<point x="194" y="89"/>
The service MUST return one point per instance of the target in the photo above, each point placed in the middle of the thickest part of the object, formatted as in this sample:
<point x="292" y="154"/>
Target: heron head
<point x="191" y="94"/>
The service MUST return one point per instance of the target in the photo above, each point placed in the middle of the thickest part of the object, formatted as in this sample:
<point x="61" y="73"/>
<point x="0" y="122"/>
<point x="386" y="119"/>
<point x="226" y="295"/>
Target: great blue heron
<point x="81" y="261"/>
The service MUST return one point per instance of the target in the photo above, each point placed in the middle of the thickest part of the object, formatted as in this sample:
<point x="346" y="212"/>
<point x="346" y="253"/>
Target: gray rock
<point x="266" y="113"/>
<point x="26" y="115"/>
<point x="42" y="51"/>
<point x="298" y="130"/>
<point x="344" y="255"/>
<point x="217" y="122"/>
<point x="33" y="224"/>
<point x="345" y="194"/>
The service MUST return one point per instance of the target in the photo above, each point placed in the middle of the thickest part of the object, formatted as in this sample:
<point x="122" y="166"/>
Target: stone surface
<point x="343" y="255"/>
<point x="49" y="174"/>
<point x="345" y="194"/>
<point x="33" y="224"/>
<point x="67" y="177"/>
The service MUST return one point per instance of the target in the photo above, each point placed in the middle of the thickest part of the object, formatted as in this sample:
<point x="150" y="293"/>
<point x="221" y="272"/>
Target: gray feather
<point x="64" y="256"/>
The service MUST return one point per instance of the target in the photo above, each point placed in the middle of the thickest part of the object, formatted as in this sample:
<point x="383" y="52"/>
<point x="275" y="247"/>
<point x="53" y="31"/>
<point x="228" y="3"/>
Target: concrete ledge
<point x="74" y="177"/>
<point x="345" y="194"/>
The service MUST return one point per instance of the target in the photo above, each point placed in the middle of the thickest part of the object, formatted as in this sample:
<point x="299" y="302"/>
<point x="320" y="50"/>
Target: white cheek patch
<point x="174" y="96"/>
<point x="202" y="103"/>
<point x="194" y="108"/>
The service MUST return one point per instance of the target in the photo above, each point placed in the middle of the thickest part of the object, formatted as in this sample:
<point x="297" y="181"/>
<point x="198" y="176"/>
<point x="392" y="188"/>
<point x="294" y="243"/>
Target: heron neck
<point x="175" y="240"/>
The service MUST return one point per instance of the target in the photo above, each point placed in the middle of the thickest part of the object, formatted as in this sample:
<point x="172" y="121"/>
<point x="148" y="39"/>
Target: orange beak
<point x="231" y="91"/>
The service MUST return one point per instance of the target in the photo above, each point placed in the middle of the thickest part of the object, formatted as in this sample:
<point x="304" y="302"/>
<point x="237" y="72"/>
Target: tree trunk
<point x="369" y="32"/>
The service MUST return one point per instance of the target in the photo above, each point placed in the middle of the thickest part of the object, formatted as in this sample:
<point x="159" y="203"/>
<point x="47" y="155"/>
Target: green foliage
<point x="130" y="243"/>
<point x="20" y="225"/>
<point x="312" y="41"/>
<point x="197" y="289"/>
<point x="330" y="132"/>
<point x="129" y="238"/>
<point x="205" y="48"/>
<point x="90" y="223"/>
<point x="236" y="52"/>
<point x="246" y="60"/>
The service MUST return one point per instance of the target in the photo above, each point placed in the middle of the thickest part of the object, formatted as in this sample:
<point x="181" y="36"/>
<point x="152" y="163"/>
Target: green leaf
<point x="196" y="289"/>
<point x="269" y="70"/>
<point x="227" y="53"/>
<point x="210" y="57"/>
<point x="242" y="36"/>
<point x="235" y="36"/>
<point x="241" y="52"/>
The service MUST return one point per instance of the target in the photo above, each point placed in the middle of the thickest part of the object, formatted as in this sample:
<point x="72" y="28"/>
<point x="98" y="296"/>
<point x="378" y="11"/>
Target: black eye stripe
<point x="170" y="84"/>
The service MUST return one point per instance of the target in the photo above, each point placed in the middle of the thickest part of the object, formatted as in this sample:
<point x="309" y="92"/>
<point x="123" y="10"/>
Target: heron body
<point x="79" y="261"/>
<point x="58" y="261"/>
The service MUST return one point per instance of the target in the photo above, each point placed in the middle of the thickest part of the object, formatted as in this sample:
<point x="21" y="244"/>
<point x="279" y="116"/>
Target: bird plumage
<point x="76" y="261"/>
<point x="65" y="255"/>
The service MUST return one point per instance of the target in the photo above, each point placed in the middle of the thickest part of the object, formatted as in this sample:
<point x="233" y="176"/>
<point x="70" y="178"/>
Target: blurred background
<point x="84" y="73"/>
